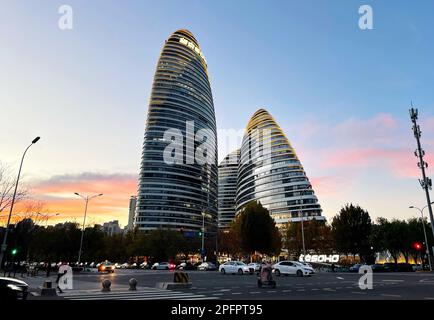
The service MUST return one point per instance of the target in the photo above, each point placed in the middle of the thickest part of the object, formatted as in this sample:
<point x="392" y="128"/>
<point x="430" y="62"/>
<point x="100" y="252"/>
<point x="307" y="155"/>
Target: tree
<point x="257" y="230"/>
<point x="229" y="242"/>
<point x="317" y="236"/>
<point x="7" y="186"/>
<point x="164" y="244"/>
<point x="351" y="231"/>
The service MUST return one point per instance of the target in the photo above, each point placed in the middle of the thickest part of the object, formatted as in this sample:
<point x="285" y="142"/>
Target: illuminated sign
<point x="193" y="47"/>
<point x="319" y="258"/>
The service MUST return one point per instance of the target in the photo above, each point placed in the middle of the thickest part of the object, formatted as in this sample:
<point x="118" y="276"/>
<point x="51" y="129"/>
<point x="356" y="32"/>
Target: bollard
<point x="133" y="284"/>
<point x="106" y="285"/>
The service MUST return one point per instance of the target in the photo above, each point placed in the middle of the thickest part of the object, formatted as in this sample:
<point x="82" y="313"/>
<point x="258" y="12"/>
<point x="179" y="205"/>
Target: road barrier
<point x="106" y="284"/>
<point x="133" y="284"/>
<point x="180" y="277"/>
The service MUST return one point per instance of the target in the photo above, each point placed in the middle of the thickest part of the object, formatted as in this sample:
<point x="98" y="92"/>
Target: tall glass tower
<point x="270" y="172"/>
<point x="227" y="186"/>
<point x="174" y="194"/>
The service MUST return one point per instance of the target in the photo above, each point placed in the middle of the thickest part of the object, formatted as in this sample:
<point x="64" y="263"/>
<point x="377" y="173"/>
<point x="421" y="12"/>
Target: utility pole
<point x="425" y="182"/>
<point x="424" y="234"/>
<point x="4" y="244"/>
<point x="302" y="225"/>
<point x="86" y="199"/>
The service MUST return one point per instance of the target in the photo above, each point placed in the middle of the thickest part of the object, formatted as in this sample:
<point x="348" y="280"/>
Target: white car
<point x="256" y="266"/>
<point x="291" y="268"/>
<point x="235" y="267"/>
<point x="307" y="266"/>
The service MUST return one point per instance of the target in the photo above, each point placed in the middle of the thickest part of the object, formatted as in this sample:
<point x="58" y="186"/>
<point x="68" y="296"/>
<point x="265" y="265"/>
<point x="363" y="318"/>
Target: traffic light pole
<point x="426" y="183"/>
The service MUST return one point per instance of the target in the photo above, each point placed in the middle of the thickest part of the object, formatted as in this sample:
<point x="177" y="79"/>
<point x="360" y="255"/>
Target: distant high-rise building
<point x="228" y="172"/>
<point x="270" y="172"/>
<point x="132" y="212"/>
<point x="111" y="228"/>
<point x="175" y="195"/>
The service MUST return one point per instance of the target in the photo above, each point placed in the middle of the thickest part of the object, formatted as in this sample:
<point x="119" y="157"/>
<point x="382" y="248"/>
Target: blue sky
<point x="337" y="91"/>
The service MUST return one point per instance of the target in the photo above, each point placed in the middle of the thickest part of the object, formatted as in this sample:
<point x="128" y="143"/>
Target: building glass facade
<point x="227" y="189"/>
<point x="270" y="172"/>
<point x="171" y="195"/>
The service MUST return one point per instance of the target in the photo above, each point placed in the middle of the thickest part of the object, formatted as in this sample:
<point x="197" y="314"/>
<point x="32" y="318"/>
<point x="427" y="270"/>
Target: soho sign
<point x="319" y="258"/>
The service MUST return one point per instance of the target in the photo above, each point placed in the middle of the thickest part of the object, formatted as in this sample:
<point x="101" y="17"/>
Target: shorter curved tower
<point x="227" y="188"/>
<point x="270" y="172"/>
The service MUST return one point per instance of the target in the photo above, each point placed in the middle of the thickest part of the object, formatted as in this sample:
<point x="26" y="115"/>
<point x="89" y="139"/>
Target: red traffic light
<point x="417" y="246"/>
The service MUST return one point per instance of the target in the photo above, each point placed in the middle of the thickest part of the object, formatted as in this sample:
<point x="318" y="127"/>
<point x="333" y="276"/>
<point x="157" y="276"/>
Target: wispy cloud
<point x="58" y="194"/>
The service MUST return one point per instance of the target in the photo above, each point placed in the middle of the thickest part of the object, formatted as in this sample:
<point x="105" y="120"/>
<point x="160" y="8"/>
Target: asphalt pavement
<point x="212" y="285"/>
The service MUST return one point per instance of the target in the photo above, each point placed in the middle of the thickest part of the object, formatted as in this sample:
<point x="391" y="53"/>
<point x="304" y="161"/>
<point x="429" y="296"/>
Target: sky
<point x="341" y="94"/>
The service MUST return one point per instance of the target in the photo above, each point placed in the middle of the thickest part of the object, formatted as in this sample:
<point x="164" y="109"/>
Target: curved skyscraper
<point x="178" y="177"/>
<point x="270" y="172"/>
<point x="227" y="186"/>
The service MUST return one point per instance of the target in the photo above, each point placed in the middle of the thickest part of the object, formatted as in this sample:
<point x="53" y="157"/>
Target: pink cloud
<point x="400" y="163"/>
<point x="58" y="195"/>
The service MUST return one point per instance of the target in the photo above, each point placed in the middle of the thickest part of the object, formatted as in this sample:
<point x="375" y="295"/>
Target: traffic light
<point x="199" y="233"/>
<point x="14" y="251"/>
<point x="417" y="246"/>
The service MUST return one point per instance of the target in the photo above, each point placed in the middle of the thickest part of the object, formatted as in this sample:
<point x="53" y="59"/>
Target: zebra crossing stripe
<point x="140" y="295"/>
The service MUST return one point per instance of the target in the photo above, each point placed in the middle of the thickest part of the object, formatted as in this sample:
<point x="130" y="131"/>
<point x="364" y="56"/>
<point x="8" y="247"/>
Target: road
<point x="212" y="285"/>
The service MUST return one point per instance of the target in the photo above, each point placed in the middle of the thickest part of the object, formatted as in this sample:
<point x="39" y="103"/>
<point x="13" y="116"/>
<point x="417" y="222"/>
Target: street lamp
<point x="86" y="199"/>
<point x="301" y="214"/>
<point x="47" y="216"/>
<point x="424" y="232"/>
<point x="4" y="245"/>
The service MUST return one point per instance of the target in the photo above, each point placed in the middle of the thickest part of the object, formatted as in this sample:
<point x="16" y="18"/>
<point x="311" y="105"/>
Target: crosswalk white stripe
<point x="160" y="297"/>
<point x="117" y="293"/>
<point x="147" y="294"/>
<point x="126" y="295"/>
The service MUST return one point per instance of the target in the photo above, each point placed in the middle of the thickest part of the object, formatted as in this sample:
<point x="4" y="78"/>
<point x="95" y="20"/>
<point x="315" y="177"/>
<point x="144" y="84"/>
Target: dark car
<point x="13" y="289"/>
<point x="355" y="268"/>
<point x="378" y="268"/>
<point x="207" y="266"/>
<point x="390" y="267"/>
<point x="186" y="266"/>
<point x="405" y="267"/>
<point x="106" y="267"/>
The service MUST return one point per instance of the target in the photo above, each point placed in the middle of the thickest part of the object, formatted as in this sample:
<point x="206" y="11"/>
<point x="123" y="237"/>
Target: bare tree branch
<point x="7" y="185"/>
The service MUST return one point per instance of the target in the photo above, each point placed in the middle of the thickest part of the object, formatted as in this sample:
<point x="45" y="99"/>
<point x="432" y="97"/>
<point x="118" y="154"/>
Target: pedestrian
<point x="59" y="276"/>
<point x="333" y="267"/>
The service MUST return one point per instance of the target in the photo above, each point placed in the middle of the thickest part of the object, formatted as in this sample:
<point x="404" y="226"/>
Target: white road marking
<point x="391" y="295"/>
<point x="340" y="278"/>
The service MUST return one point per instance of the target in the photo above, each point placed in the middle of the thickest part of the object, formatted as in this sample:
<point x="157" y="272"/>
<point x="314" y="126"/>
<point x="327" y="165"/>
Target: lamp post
<point x="204" y="214"/>
<point x="48" y="216"/>
<point x="425" y="182"/>
<point x="301" y="214"/>
<point x="424" y="233"/>
<point x="86" y="199"/>
<point x="4" y="244"/>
